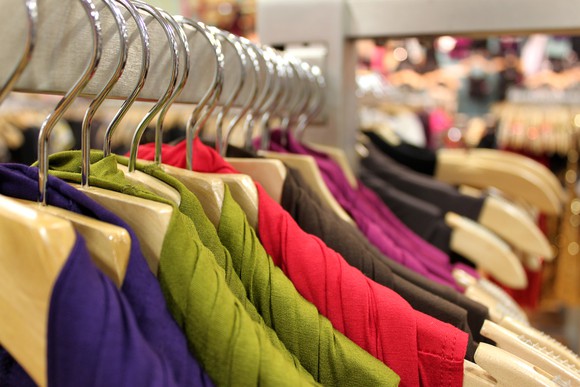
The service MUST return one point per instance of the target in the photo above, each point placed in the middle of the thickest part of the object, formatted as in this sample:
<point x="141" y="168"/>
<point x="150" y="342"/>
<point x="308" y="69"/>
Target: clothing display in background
<point x="442" y="195"/>
<point x="418" y="159"/>
<point x="405" y="343"/>
<point x="424" y="218"/>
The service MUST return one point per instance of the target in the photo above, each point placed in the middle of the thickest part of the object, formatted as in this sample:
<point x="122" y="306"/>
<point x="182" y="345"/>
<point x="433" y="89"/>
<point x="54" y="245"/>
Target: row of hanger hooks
<point x="277" y="88"/>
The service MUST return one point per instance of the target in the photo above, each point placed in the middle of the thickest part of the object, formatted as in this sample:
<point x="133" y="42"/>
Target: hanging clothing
<point x="420" y="349"/>
<point x="140" y="288"/>
<point x="418" y="159"/>
<point x="314" y="217"/>
<point x="117" y="356"/>
<point x="442" y="195"/>
<point x="327" y="356"/>
<point x="330" y="357"/>
<point x="374" y="219"/>
<point x="92" y="335"/>
<point x="423" y="218"/>
<point x="219" y="330"/>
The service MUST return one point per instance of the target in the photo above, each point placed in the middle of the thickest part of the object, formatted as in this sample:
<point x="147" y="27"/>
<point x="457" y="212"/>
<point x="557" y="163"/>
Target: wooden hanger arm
<point x="35" y="248"/>
<point x="537" y="336"/>
<point x="456" y="167"/>
<point x="154" y="185"/>
<point x="523" y="162"/>
<point x="531" y="352"/>
<point x="515" y="227"/>
<point x="486" y="250"/>
<point x="271" y="174"/>
<point x="148" y="219"/>
<point x="496" y="367"/>
<point x="310" y="172"/>
<point x="207" y="187"/>
<point x="475" y="376"/>
<point x="109" y="245"/>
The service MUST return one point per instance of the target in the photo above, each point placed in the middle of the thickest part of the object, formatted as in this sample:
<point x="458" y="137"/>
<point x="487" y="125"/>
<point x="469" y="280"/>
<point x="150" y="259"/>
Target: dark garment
<point x="419" y="159"/>
<point x="318" y="220"/>
<point x="442" y="195"/>
<point x="425" y="219"/>
<point x="140" y="287"/>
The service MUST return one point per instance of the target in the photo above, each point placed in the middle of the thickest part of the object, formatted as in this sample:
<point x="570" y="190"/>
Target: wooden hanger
<point x="270" y="173"/>
<point x="151" y="183"/>
<point x="209" y="188"/>
<point x="36" y="246"/>
<point x="309" y="170"/>
<point x="109" y="245"/>
<point x="155" y="185"/>
<point x="242" y="187"/>
<point x="532" y="334"/>
<point x="492" y="296"/>
<point x="526" y="163"/>
<point x="486" y="250"/>
<point x="496" y="367"/>
<point x="515" y="227"/>
<point x="454" y="166"/>
<point x="497" y="310"/>
<point x="532" y="352"/>
<point x="512" y="223"/>
<point x="148" y="219"/>
<point x="505" y="312"/>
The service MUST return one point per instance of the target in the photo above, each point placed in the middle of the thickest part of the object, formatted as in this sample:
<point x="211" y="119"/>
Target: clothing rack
<point x="64" y="46"/>
<point x="336" y="23"/>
